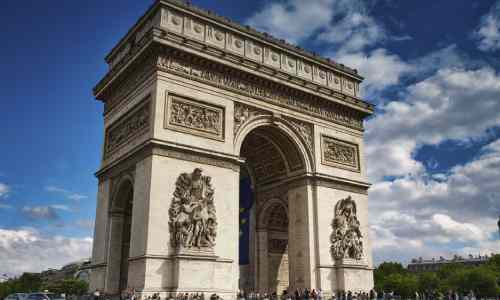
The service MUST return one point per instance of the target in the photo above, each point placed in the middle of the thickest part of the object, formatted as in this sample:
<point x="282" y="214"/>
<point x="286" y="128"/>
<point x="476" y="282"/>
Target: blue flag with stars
<point x="246" y="202"/>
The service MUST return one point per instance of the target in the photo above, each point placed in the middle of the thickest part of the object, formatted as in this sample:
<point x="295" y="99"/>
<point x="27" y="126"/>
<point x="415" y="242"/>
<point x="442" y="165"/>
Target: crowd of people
<point x="298" y="294"/>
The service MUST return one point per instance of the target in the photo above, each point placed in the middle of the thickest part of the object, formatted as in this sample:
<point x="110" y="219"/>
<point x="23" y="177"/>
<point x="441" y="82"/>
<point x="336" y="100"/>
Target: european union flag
<point x="246" y="202"/>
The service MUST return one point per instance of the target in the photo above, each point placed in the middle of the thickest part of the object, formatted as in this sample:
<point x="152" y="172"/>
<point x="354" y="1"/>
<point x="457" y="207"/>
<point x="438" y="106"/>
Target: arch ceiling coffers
<point x="291" y="134"/>
<point x="275" y="208"/>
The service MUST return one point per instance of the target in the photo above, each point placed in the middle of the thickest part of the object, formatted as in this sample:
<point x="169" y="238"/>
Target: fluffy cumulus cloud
<point x="380" y="68"/>
<point x="338" y="22"/>
<point x="488" y="32"/>
<point x="454" y="214"/>
<point x="27" y="250"/>
<point x="293" y="20"/>
<point x="453" y="104"/>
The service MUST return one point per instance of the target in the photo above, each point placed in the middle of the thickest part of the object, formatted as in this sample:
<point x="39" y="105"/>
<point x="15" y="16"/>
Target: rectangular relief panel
<point x="194" y="117"/>
<point x="339" y="154"/>
<point x="134" y="123"/>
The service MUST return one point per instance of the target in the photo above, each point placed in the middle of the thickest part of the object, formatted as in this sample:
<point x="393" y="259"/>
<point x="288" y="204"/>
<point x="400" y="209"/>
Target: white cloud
<point x="68" y="194"/>
<point x="27" y="250"/>
<point x="48" y="212"/>
<point x="488" y="32"/>
<point x="345" y="24"/>
<point x="453" y="104"/>
<point x="380" y="68"/>
<point x="293" y="20"/>
<point x="355" y="31"/>
<point x="454" y="214"/>
<point x="4" y="189"/>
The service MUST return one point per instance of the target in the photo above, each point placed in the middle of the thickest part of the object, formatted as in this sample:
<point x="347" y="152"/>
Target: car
<point x="16" y="296"/>
<point x="44" y="296"/>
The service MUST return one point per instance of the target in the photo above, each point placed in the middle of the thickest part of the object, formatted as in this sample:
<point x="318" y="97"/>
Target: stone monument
<point x="195" y="104"/>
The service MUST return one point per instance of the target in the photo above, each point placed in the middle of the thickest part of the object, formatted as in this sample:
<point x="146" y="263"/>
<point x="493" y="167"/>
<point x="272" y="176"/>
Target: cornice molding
<point x="159" y="27"/>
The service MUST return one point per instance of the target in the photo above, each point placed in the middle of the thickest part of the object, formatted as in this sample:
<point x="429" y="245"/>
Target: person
<point x="306" y="294"/>
<point x="314" y="295"/>
<point x="97" y="294"/>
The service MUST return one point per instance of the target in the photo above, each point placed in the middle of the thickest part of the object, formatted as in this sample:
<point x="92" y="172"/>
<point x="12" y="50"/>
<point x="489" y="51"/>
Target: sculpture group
<point x="193" y="222"/>
<point x="346" y="237"/>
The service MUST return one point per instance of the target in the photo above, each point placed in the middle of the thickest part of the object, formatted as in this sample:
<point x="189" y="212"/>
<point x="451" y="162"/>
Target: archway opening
<point x="271" y="159"/>
<point x="122" y="211"/>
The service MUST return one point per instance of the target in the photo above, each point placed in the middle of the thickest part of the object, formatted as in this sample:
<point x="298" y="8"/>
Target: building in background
<point x="78" y="270"/>
<point x="418" y="265"/>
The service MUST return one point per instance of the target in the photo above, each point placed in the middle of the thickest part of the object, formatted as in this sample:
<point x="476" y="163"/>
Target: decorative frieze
<point x="243" y="113"/>
<point x="132" y="124"/>
<point x="273" y="93"/>
<point x="340" y="154"/>
<point x="194" y="117"/>
<point x="306" y="131"/>
<point x="346" y="238"/>
<point x="180" y="26"/>
<point x="192" y="215"/>
<point x="250" y="48"/>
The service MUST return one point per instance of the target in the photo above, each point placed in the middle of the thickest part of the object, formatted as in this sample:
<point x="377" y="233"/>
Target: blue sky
<point x="433" y="148"/>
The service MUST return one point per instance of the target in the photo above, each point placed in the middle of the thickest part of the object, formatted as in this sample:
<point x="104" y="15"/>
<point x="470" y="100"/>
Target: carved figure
<point x="346" y="237"/>
<point x="193" y="221"/>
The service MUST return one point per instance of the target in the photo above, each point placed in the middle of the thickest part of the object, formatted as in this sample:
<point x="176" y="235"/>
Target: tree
<point x="67" y="286"/>
<point x="404" y="285"/>
<point x="383" y="271"/>
<point x="428" y="281"/>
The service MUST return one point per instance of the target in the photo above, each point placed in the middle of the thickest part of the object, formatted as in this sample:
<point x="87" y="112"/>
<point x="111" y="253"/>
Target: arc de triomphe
<point x="231" y="160"/>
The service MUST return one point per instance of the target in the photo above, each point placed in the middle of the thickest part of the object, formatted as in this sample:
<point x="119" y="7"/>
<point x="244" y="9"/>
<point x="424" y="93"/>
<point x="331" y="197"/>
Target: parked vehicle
<point x="16" y="296"/>
<point x="44" y="296"/>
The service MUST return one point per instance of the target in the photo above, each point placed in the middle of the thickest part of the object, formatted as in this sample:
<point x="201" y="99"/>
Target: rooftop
<point x="187" y="5"/>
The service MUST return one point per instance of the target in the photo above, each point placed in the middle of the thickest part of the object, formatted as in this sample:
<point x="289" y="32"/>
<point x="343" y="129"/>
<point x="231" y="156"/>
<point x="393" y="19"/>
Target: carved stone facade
<point x="125" y="129"/>
<point x="193" y="220"/>
<point x="243" y="113"/>
<point x="265" y="90"/>
<point x="306" y="131"/>
<point x="346" y="237"/>
<point x="277" y="245"/>
<point x="340" y="154"/>
<point x="179" y="82"/>
<point x="195" y="117"/>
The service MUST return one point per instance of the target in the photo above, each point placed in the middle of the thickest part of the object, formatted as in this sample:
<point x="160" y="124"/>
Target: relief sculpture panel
<point x="127" y="128"/>
<point x="346" y="237"/>
<point x="340" y="154"/>
<point x="192" y="215"/>
<point x="194" y="117"/>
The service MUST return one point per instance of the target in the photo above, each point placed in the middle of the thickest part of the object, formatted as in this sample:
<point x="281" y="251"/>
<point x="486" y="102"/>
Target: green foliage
<point x="67" y="286"/>
<point x="483" y="280"/>
<point x="403" y="285"/>
<point x="26" y="283"/>
<point x="383" y="271"/>
<point x="428" y="281"/>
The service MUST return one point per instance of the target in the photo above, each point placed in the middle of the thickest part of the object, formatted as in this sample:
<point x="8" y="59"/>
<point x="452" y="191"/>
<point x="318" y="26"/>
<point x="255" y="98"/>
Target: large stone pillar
<point x="114" y="253"/>
<point x="173" y="269"/>
<point x="262" y="275"/>
<point x="301" y="244"/>
<point x="100" y="244"/>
